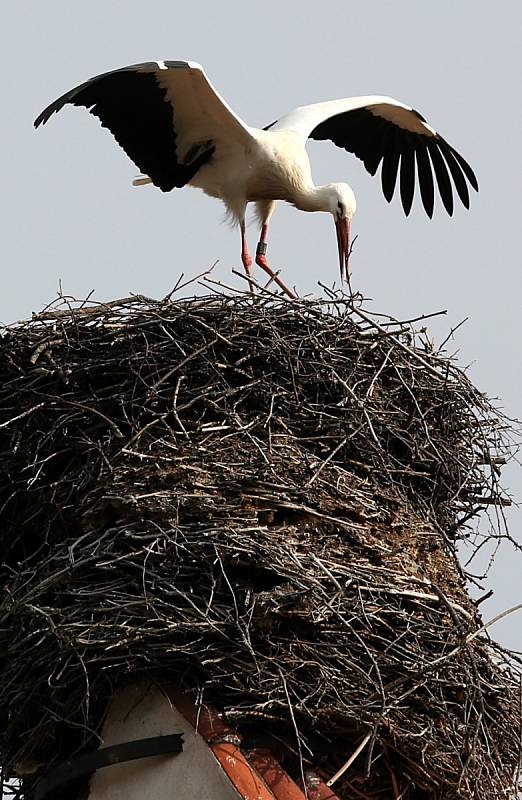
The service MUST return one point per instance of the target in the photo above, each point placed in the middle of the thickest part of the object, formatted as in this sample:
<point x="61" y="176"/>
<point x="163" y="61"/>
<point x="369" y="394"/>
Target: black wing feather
<point x="376" y="140"/>
<point x="407" y="173"/>
<point x="441" y="174"/>
<point x="131" y="104"/>
<point x="468" y="172"/>
<point x="425" y="178"/>
<point x="456" y="173"/>
<point x="390" y="166"/>
<point x="374" y="156"/>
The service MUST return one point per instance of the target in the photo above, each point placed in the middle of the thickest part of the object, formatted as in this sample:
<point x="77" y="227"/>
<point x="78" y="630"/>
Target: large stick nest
<point x="260" y="500"/>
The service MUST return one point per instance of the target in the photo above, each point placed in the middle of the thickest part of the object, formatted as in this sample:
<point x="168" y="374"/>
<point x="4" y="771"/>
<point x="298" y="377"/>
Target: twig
<point x="340" y="772"/>
<point x="413" y="353"/>
<point x="22" y="415"/>
<point x="492" y="621"/>
<point x="326" y="461"/>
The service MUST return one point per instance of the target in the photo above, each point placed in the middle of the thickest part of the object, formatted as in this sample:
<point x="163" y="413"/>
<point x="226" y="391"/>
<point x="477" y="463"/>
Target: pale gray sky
<point x="70" y="212"/>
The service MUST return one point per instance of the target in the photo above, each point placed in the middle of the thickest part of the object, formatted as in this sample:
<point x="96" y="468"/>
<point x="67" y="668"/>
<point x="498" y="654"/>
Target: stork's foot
<point x="246" y="258"/>
<point x="263" y="263"/>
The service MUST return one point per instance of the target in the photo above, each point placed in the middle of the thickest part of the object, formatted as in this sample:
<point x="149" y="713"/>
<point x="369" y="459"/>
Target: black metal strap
<point x="261" y="248"/>
<point x="105" y="757"/>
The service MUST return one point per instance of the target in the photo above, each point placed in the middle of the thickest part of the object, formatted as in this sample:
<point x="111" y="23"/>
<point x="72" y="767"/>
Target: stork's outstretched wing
<point x="381" y="129"/>
<point x="166" y="115"/>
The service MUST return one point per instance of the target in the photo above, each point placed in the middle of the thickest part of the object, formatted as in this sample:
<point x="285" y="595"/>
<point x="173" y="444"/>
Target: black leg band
<point x="261" y="248"/>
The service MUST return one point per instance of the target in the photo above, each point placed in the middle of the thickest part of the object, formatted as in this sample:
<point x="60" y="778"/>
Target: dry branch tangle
<point x="263" y="496"/>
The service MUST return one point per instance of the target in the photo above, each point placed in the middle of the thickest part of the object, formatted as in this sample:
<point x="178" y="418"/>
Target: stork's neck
<point x="314" y="198"/>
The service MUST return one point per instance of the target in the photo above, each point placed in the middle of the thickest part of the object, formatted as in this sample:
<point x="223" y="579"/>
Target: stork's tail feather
<point x="141" y="180"/>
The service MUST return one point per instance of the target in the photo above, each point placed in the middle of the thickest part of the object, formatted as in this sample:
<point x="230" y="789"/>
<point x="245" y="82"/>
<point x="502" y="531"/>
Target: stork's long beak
<point x="342" y="226"/>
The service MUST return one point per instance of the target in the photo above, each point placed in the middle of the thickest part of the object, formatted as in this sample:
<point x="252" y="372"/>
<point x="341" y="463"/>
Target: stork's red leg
<point x="246" y="258"/>
<point x="263" y="263"/>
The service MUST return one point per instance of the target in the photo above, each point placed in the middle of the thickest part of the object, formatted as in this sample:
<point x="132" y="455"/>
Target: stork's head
<point x="342" y="205"/>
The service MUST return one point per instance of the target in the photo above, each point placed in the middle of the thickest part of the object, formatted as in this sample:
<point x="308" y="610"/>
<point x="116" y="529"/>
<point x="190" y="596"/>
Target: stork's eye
<point x="340" y="208"/>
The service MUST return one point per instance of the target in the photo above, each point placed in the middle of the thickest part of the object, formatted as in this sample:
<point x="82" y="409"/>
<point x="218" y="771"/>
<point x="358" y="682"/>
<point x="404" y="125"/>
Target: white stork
<point x="176" y="128"/>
